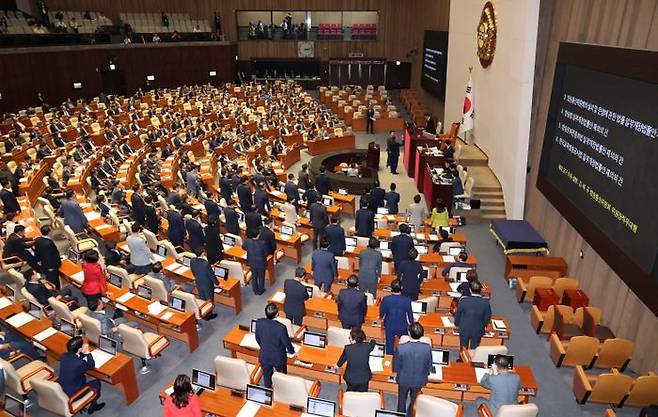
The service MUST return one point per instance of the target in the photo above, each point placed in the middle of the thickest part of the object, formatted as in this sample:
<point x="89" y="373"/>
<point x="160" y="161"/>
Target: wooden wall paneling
<point x="624" y="23"/>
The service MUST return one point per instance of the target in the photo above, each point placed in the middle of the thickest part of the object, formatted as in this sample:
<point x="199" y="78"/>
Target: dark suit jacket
<point x="256" y="254"/>
<point x="413" y="364"/>
<point x="253" y="220"/>
<point x="225" y="188"/>
<point x="322" y="184"/>
<point x="364" y="222"/>
<point x="245" y="197"/>
<point x="400" y="246"/>
<point x="319" y="216"/>
<point x="292" y="191"/>
<point x="73" y="215"/>
<point x="231" y="218"/>
<point x="378" y="194"/>
<point x="73" y="378"/>
<point x="356" y="355"/>
<point x="411" y="276"/>
<point x="151" y="217"/>
<point x="272" y="337"/>
<point x="336" y="236"/>
<point x="324" y="266"/>
<point x="176" y="232"/>
<point x="473" y="315"/>
<point x="392" y="200"/>
<point x="16" y="246"/>
<point x="137" y="208"/>
<point x="296" y="294"/>
<point x="396" y="311"/>
<point x="262" y="201"/>
<point x="39" y="291"/>
<point x="47" y="253"/>
<point x="352" y="307"/>
<point x="268" y="238"/>
<point x="195" y="236"/>
<point x="204" y="278"/>
<point x="212" y="209"/>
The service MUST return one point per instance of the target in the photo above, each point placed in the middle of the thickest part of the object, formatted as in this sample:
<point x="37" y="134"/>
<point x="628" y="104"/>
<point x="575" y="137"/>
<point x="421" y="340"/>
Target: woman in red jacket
<point x="182" y="402"/>
<point x="94" y="285"/>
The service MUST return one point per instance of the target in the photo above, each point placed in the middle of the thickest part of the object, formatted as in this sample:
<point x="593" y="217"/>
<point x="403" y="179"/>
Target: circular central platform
<point x="332" y="162"/>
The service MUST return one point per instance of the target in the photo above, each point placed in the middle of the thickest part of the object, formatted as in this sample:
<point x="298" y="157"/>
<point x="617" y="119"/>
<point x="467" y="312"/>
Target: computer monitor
<point x="67" y="327"/>
<point x="379" y="350"/>
<point x="422" y="250"/>
<point x="14" y="407"/>
<point x="161" y="251"/>
<point x="144" y="291"/>
<point x="228" y="240"/>
<point x="221" y="272"/>
<point x="350" y="242"/>
<point x="73" y="256"/>
<point x="107" y="345"/>
<point x="384" y="245"/>
<point x="387" y="413"/>
<point x="287" y="230"/>
<point x="252" y="327"/>
<point x="382" y="210"/>
<point x="492" y="358"/>
<point x="425" y="273"/>
<point x="461" y="276"/>
<point x="35" y="310"/>
<point x="309" y="290"/>
<point x="115" y="280"/>
<point x="313" y="339"/>
<point x="449" y="229"/>
<point x="10" y="292"/>
<point x="327" y="201"/>
<point x="260" y="395"/>
<point x="177" y="303"/>
<point x="186" y="261"/>
<point x="419" y="307"/>
<point x="203" y="379"/>
<point x="342" y="191"/>
<point x="455" y="250"/>
<point x="319" y="407"/>
<point x="440" y="356"/>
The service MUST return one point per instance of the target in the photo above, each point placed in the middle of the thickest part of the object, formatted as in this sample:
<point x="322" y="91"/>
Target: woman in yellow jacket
<point x="439" y="214"/>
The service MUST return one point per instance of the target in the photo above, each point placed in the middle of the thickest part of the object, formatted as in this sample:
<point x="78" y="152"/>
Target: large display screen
<point x="435" y="60"/>
<point x="599" y="162"/>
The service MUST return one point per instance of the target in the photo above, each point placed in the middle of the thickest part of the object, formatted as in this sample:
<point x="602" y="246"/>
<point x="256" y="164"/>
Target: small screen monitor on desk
<point x="440" y="356"/>
<point x="229" y="240"/>
<point x="309" y="290"/>
<point x="203" y="379"/>
<point x="419" y="307"/>
<point x="144" y="292"/>
<point x="510" y="361"/>
<point x="455" y="250"/>
<point x="67" y="327"/>
<point x="320" y="408"/>
<point x="287" y="230"/>
<point x="342" y="191"/>
<point x="327" y="201"/>
<point x="14" y="407"/>
<point x="449" y="229"/>
<point x="387" y="413"/>
<point x="115" y="280"/>
<point x="252" y="327"/>
<point x="384" y="245"/>
<point x="422" y="249"/>
<point x="382" y="210"/>
<point x="73" y="256"/>
<point x="350" y="242"/>
<point x="177" y="304"/>
<point x="34" y="310"/>
<point x="161" y="251"/>
<point x="461" y="276"/>
<point x="107" y="345"/>
<point x="259" y="395"/>
<point x="221" y="272"/>
<point x="313" y="339"/>
<point x="10" y="292"/>
<point x="186" y="261"/>
<point x="379" y="350"/>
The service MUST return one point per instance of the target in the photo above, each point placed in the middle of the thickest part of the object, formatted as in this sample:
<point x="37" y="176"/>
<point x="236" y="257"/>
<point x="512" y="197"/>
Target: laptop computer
<point x="384" y="245"/>
<point x="202" y="381"/>
<point x="455" y="250"/>
<point x="440" y="357"/>
<point x="221" y="272"/>
<point x="350" y="242"/>
<point x="107" y="345"/>
<point x="186" y="260"/>
<point x="229" y="240"/>
<point x="34" y="310"/>
<point x="260" y="395"/>
<point x="252" y="327"/>
<point x="422" y="249"/>
<point x="492" y="358"/>
<point x="73" y="256"/>
<point x="327" y="201"/>
<point x="387" y="413"/>
<point x="313" y="339"/>
<point x="14" y="407"/>
<point x="319" y="407"/>
<point x="67" y="327"/>
<point x="161" y="251"/>
<point x="419" y="307"/>
<point x="177" y="303"/>
<point x="115" y="280"/>
<point x="144" y="292"/>
<point x="287" y="230"/>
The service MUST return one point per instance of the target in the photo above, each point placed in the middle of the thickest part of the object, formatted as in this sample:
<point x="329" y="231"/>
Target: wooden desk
<point x="386" y="124"/>
<point x="448" y="336"/>
<point x="524" y="267"/>
<point x="336" y="143"/>
<point x="290" y="157"/>
<point x="180" y="326"/>
<point x="119" y="371"/>
<point x="291" y="246"/>
<point x="346" y="202"/>
<point x="544" y="298"/>
<point x="240" y="255"/>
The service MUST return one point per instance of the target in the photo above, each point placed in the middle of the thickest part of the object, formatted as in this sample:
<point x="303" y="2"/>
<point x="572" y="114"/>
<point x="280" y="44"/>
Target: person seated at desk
<point x="296" y="295"/>
<point x="183" y="402"/>
<point x="99" y="311"/>
<point x="42" y="290"/>
<point x="11" y="343"/>
<point x="465" y="287"/>
<point x="156" y="272"/>
<point x="503" y="385"/>
<point x="356" y="355"/>
<point x="461" y="263"/>
<point x="353" y="170"/>
<point x="444" y="237"/>
<point x="18" y="245"/>
<point x="352" y="304"/>
<point x="73" y="365"/>
<point x="274" y="342"/>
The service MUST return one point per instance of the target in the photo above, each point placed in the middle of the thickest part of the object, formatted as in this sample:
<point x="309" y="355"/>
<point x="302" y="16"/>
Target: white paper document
<point x="100" y="357"/>
<point x="448" y="258"/>
<point x="448" y="321"/>
<point x="249" y="409"/>
<point x="479" y="373"/>
<point x="20" y="319"/>
<point x="92" y="215"/>
<point x="437" y="373"/>
<point x="156" y="308"/>
<point x="167" y="315"/>
<point x="249" y="341"/>
<point x="127" y="296"/>
<point x="173" y="267"/>
<point x="499" y="325"/>
<point x="5" y="302"/>
<point x="78" y="277"/>
<point x="376" y="364"/>
<point x="41" y="336"/>
<point x="279" y="297"/>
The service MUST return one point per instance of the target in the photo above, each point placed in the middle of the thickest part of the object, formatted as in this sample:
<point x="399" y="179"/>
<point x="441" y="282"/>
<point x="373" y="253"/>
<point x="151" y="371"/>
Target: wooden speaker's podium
<point x="372" y="158"/>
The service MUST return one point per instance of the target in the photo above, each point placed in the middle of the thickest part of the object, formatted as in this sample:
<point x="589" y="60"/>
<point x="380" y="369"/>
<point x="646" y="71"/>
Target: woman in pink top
<point x="182" y="402"/>
<point x="94" y="285"/>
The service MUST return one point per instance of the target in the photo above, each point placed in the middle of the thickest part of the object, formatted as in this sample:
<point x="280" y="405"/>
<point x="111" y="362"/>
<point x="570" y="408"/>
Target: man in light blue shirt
<point x="140" y="255"/>
<point x="504" y="385"/>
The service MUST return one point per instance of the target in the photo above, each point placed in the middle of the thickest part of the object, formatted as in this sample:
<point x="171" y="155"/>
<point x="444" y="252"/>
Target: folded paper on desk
<point x="167" y="315"/>
<point x="156" y="308"/>
<point x="41" y="336"/>
<point x="78" y="277"/>
<point x="249" y="341"/>
<point x="448" y="321"/>
<point x="100" y="357"/>
<point x="127" y="296"/>
<point x="182" y="270"/>
<point x="499" y="324"/>
<point x="19" y="319"/>
<point x="376" y="364"/>
<point x="158" y="258"/>
<point x="279" y="297"/>
<point x="93" y="215"/>
<point x="249" y="409"/>
<point x="448" y="258"/>
<point x="296" y="347"/>
<point x="479" y="373"/>
<point x="5" y="302"/>
<point x="437" y="373"/>
<point x="173" y="267"/>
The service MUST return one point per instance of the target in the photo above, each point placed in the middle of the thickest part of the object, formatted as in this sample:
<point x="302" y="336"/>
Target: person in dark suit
<point x="322" y="182"/>
<point x="393" y="152"/>
<point x="274" y="342"/>
<point x="370" y="267"/>
<point x="267" y="236"/>
<point x="430" y="124"/>
<point x="232" y="219"/>
<point x="364" y="221"/>
<point x="174" y="198"/>
<point x="400" y="246"/>
<point x="357" y="354"/>
<point x="319" y="221"/>
<point x="214" y="245"/>
<point x="396" y="311"/>
<point x="8" y="198"/>
<point x="465" y="287"/>
<point x="262" y="200"/>
<point x="204" y="279"/>
<point x="212" y="208"/>
<point x="462" y="259"/>
<point x="72" y="213"/>
<point x="48" y="256"/>
<point x="42" y="290"/>
<point x="195" y="236"/>
<point x="137" y="203"/>
<point x="18" y="245"/>
<point x="324" y="266"/>
<point x="411" y="275"/>
<point x="503" y="385"/>
<point x="303" y="179"/>
<point x="256" y="260"/>
<point x="225" y="187"/>
<point x="449" y="151"/>
<point x="413" y="364"/>
<point x="392" y="200"/>
<point x="311" y="195"/>
<point x="472" y="317"/>
<point x="151" y="217"/>
<point x="370" y="119"/>
<point x="444" y="237"/>
<point x="72" y="368"/>
<point x="352" y="304"/>
<point x="296" y="295"/>
<point x="378" y="194"/>
<point x="335" y="234"/>
<point x="244" y="195"/>
<point x="176" y="229"/>
<point x="292" y="190"/>
<point x="252" y="219"/>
